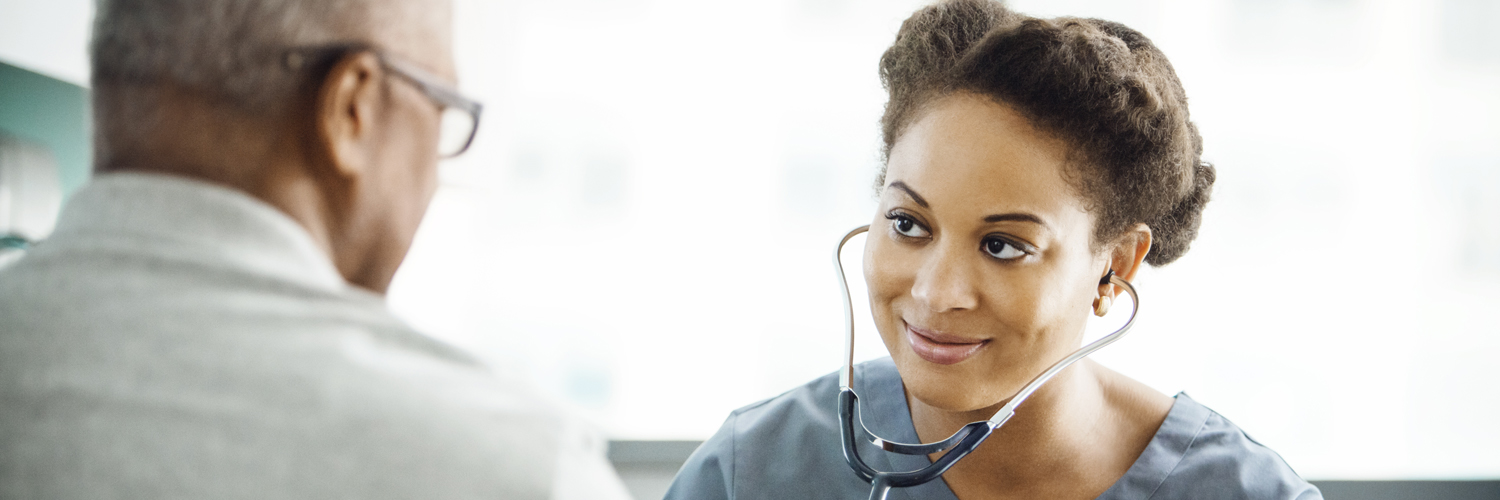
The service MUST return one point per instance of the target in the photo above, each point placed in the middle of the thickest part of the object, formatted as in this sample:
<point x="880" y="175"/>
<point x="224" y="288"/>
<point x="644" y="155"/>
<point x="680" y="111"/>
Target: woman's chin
<point x="947" y="388"/>
<point x="947" y="400"/>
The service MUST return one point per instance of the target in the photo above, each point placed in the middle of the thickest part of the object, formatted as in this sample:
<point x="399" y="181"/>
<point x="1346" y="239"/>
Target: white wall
<point x="644" y="224"/>
<point x="47" y="36"/>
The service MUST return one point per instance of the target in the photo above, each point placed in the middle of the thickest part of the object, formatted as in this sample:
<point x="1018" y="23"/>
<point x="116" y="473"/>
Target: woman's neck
<point x="1072" y="439"/>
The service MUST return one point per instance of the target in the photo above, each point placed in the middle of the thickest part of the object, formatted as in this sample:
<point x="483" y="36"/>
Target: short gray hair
<point x="230" y="49"/>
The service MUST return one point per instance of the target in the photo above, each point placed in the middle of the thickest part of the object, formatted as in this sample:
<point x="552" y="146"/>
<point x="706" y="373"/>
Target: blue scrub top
<point x="788" y="447"/>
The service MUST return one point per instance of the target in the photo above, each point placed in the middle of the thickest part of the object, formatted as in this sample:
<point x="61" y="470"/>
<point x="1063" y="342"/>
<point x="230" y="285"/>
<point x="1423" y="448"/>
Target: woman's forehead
<point x="968" y="153"/>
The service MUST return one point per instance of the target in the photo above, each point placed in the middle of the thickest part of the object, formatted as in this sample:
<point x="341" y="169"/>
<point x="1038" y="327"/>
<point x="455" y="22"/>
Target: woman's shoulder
<point x="810" y="405"/>
<point x="810" y="410"/>
<point x="1197" y="453"/>
<point x="788" y="445"/>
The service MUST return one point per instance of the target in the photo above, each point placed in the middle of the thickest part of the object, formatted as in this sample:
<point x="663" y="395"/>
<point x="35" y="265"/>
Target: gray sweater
<point x="174" y="339"/>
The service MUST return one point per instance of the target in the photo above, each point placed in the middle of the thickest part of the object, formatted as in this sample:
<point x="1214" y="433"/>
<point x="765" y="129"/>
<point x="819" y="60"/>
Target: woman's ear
<point x="1127" y="256"/>
<point x="346" y="111"/>
<point x="1130" y="251"/>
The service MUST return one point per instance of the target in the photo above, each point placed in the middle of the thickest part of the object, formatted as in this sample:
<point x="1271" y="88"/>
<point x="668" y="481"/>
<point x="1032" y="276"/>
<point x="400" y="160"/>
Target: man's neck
<point x="186" y="134"/>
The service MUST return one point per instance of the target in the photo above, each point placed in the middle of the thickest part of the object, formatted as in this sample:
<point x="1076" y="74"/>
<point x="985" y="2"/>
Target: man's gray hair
<point x="230" y="49"/>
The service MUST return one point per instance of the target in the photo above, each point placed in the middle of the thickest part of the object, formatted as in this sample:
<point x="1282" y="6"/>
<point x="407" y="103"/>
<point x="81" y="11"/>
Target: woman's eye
<point x="1002" y="249"/>
<point x="908" y="227"/>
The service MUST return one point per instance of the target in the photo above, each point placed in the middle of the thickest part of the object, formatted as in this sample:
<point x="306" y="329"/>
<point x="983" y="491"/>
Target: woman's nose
<point x="945" y="282"/>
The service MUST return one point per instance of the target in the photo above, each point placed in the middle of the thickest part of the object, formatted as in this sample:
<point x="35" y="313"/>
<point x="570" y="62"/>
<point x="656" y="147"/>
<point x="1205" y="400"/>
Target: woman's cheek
<point x="877" y="269"/>
<point x="883" y="277"/>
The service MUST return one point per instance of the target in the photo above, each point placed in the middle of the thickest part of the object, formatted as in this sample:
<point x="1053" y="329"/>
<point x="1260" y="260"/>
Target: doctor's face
<point x="978" y="261"/>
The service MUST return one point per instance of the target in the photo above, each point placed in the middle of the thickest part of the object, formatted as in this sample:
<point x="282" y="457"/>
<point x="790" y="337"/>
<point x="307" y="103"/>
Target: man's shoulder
<point x="296" y="381"/>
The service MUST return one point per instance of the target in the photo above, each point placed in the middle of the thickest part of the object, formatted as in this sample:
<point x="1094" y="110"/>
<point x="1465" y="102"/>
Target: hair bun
<point x="1173" y="233"/>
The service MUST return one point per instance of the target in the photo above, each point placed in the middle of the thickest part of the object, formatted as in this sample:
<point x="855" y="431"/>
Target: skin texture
<point x="354" y="161"/>
<point x="1020" y="288"/>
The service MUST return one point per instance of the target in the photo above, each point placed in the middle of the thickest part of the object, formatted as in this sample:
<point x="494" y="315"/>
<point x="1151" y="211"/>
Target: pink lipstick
<point x="941" y="348"/>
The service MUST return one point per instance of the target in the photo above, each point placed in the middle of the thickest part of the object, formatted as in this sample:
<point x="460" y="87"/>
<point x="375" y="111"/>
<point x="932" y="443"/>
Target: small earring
<point x="1102" y="302"/>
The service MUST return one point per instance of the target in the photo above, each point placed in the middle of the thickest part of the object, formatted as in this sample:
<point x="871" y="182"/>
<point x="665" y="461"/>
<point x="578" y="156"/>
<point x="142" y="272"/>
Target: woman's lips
<point x="939" y="348"/>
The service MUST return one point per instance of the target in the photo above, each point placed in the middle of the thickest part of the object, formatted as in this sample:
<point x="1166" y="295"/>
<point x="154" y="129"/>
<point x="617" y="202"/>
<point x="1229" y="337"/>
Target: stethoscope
<point x="961" y="443"/>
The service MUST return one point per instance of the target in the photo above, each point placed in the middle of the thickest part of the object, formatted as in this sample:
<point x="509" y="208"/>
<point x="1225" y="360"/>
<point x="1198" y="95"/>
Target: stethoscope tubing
<point x="969" y="437"/>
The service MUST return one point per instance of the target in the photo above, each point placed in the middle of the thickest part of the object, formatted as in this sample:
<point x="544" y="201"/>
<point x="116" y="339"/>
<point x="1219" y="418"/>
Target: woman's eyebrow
<point x="909" y="192"/>
<point x="1016" y="216"/>
<point x="1013" y="216"/>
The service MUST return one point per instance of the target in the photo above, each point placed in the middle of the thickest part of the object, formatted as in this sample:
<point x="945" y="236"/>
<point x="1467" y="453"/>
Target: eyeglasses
<point x="460" y="115"/>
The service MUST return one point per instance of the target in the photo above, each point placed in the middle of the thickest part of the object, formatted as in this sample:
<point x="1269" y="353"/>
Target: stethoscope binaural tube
<point x="961" y="443"/>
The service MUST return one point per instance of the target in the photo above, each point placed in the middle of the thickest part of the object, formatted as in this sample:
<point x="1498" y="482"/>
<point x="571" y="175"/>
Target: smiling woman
<point x="1028" y="161"/>
<point x="983" y="235"/>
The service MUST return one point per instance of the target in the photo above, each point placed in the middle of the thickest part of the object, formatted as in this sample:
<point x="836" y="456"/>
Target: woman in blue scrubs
<point x="1025" y="160"/>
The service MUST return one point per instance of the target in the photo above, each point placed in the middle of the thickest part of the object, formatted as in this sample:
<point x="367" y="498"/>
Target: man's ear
<point x="1127" y="256"/>
<point x="347" y="104"/>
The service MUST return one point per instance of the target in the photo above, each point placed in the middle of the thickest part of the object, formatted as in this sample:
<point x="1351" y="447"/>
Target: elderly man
<point x="207" y="321"/>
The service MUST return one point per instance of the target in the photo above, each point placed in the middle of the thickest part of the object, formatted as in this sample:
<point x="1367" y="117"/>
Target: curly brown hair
<point x="1102" y="87"/>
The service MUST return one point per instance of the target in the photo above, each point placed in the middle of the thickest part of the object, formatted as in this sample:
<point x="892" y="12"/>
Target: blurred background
<point x="644" y="225"/>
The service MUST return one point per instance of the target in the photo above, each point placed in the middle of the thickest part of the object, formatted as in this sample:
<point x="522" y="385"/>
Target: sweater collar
<point x="175" y="215"/>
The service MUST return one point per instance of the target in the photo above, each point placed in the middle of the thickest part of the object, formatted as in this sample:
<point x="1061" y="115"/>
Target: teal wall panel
<point x="52" y="112"/>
